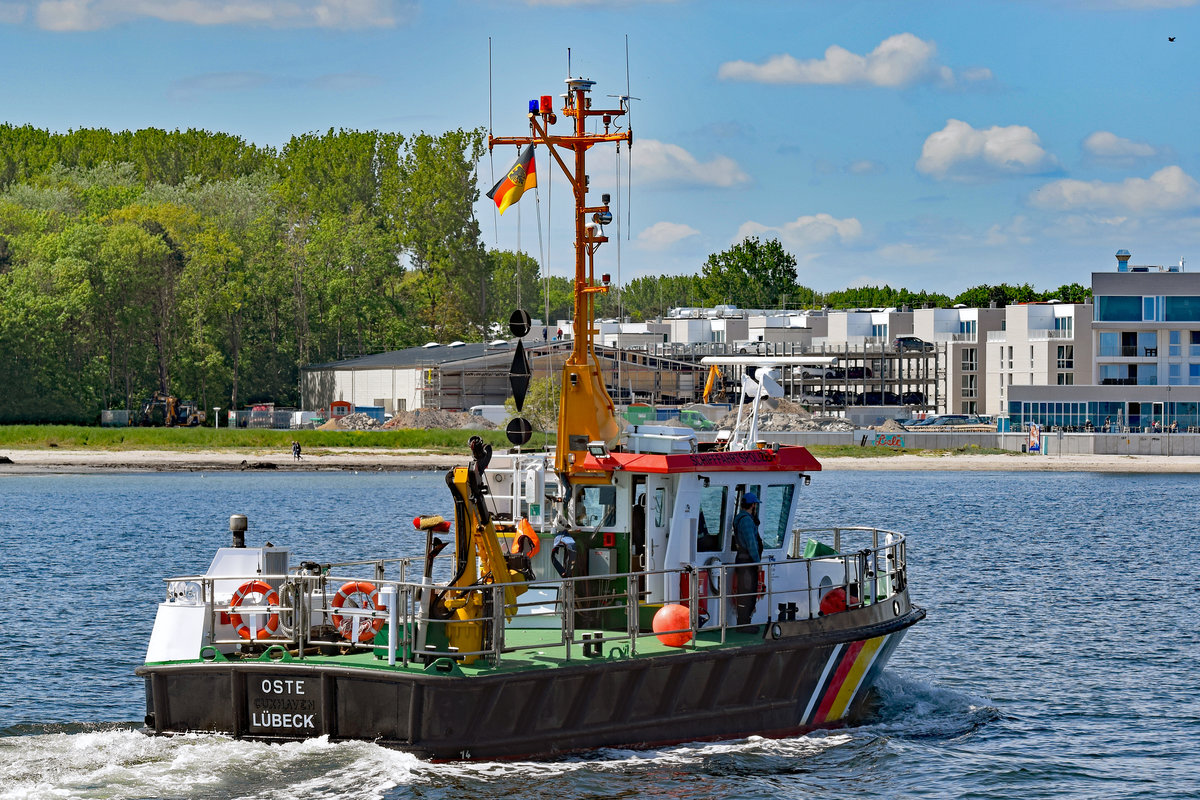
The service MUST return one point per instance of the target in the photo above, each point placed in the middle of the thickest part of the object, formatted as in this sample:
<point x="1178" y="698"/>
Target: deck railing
<point x="588" y="616"/>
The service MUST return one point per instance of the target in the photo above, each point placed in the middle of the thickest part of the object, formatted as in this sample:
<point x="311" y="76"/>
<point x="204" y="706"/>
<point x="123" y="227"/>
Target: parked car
<point x="913" y="398"/>
<point x="836" y="398"/>
<point x="879" y="399"/>
<point x="914" y="343"/>
<point x="696" y="421"/>
<point x="858" y="372"/>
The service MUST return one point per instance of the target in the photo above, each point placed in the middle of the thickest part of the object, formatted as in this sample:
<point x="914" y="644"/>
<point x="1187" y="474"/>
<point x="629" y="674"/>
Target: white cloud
<point x="865" y="167"/>
<point x="962" y="152"/>
<point x="659" y="162"/>
<point x="899" y="60"/>
<point x="1114" y="150"/>
<point x="13" y="13"/>
<point x="1018" y="230"/>
<point x="85" y="15"/>
<point x="806" y="232"/>
<point x="1169" y="189"/>
<point x="661" y="235"/>
<point x="907" y="253"/>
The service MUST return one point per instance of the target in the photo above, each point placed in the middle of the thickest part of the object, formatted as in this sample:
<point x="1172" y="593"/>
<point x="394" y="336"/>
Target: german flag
<point x="522" y="176"/>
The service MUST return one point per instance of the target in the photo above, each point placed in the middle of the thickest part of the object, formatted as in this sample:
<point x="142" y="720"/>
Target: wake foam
<point x="124" y="764"/>
<point x="912" y="709"/>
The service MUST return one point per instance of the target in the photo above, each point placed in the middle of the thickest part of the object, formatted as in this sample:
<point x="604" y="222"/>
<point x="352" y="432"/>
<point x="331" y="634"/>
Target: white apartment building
<point x="862" y="328"/>
<point x="1039" y="344"/>
<point x="960" y="335"/>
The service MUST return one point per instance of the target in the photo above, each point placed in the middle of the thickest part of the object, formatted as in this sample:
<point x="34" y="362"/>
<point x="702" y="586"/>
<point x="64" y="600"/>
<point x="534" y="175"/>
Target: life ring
<point x="525" y="531"/>
<point x="269" y="598"/>
<point x="345" y="624"/>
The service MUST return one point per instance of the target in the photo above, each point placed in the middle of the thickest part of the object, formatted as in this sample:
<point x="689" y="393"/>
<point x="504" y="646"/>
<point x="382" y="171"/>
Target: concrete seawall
<point x="1115" y="444"/>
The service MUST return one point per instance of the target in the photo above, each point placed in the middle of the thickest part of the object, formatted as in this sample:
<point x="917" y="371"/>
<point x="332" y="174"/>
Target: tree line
<point x="204" y="266"/>
<point x="762" y="274"/>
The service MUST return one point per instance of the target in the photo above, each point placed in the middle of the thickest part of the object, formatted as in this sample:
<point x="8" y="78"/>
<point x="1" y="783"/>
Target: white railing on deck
<point x="874" y="572"/>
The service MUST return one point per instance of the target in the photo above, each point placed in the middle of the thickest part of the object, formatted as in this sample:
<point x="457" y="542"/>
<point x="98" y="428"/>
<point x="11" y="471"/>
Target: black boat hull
<point x="815" y="674"/>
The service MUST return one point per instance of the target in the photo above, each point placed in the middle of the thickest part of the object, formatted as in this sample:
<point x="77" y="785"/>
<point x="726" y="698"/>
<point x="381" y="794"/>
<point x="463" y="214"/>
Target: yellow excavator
<point x="467" y="602"/>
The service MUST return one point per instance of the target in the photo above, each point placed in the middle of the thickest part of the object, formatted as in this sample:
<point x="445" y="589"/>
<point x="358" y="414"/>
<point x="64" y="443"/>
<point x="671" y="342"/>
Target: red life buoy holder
<point x="702" y="587"/>
<point x="345" y="624"/>
<point x="269" y="598"/>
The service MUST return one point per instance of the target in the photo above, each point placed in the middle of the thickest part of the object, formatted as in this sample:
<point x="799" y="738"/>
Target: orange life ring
<point x="526" y="531"/>
<point x="269" y="598"/>
<point x="345" y="625"/>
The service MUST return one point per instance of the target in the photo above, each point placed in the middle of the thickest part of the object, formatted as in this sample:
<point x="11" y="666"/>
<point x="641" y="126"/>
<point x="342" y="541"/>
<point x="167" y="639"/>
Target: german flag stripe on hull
<point x="849" y="667"/>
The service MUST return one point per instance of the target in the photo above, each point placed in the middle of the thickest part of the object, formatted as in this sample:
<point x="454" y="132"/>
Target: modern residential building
<point x="1145" y="339"/>
<point x="1040" y="344"/>
<point x="963" y="333"/>
<point x="1146" y="325"/>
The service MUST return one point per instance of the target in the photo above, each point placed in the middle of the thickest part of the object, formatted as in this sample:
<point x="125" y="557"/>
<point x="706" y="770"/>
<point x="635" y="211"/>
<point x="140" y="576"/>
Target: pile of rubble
<point x="438" y="418"/>
<point x="780" y="414"/>
<point x="357" y="421"/>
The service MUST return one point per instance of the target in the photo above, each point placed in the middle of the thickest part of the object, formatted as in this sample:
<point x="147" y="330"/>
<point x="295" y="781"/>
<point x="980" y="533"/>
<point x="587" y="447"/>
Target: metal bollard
<point x="387" y="596"/>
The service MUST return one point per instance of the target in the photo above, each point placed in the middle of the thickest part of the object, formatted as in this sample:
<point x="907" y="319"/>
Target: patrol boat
<point x="589" y="597"/>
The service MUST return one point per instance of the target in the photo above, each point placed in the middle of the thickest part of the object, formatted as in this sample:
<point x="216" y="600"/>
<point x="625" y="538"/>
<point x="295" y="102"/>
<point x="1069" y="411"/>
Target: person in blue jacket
<point x="748" y="548"/>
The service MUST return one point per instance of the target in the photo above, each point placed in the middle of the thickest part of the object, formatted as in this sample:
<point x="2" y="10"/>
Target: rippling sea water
<point x="1060" y="657"/>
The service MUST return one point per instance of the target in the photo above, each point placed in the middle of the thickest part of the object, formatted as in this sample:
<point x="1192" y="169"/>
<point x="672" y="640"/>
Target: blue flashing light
<point x="534" y="107"/>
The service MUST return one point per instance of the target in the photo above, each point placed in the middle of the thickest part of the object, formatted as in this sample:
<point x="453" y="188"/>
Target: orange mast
<point x="586" y="412"/>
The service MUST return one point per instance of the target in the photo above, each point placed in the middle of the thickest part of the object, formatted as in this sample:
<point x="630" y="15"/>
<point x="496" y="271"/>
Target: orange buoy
<point x="676" y="618"/>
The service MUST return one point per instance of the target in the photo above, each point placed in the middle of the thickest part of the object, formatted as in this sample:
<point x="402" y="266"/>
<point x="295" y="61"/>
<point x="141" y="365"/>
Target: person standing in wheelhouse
<point x="748" y="548"/>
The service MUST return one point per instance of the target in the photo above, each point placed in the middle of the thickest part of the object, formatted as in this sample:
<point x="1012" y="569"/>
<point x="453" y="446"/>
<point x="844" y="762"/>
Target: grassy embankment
<point x="854" y="451"/>
<point x="70" y="437"/>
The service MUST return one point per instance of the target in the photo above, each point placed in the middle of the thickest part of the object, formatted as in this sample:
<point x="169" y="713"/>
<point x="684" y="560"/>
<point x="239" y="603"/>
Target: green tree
<point x="1070" y="293"/>
<point x="513" y="282"/>
<point x="1002" y="295"/>
<point x="751" y="274"/>
<point x="437" y="194"/>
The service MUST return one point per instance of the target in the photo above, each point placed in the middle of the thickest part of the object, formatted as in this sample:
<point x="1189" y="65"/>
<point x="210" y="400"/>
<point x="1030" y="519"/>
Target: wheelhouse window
<point x="598" y="507"/>
<point x="660" y="507"/>
<point x="711" y="529"/>
<point x="774" y="514"/>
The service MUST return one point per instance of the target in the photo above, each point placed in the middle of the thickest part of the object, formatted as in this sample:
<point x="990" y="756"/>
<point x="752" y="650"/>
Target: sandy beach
<point x="54" y="460"/>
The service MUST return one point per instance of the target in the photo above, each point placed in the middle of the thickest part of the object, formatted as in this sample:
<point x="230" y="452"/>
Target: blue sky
<point x="932" y="145"/>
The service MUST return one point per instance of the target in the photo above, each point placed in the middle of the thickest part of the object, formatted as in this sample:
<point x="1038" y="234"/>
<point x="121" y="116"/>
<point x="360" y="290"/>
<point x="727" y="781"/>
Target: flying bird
<point x="1170" y="38"/>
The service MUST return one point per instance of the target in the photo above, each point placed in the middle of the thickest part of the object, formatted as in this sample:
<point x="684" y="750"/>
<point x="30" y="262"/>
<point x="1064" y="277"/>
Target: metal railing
<point x="605" y="615"/>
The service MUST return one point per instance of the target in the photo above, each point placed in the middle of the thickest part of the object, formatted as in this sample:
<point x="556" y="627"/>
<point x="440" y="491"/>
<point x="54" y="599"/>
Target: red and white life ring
<point x="268" y="597"/>
<point x="345" y="624"/>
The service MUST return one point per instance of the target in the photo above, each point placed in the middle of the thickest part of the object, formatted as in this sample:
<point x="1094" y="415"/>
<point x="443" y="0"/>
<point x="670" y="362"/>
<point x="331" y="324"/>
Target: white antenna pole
<point x="629" y="123"/>
<point x="491" y="162"/>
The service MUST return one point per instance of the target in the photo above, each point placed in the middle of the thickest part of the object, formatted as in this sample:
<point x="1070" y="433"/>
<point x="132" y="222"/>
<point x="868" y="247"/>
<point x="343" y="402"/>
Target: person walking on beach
<point x="296" y="450"/>
<point x="748" y="547"/>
